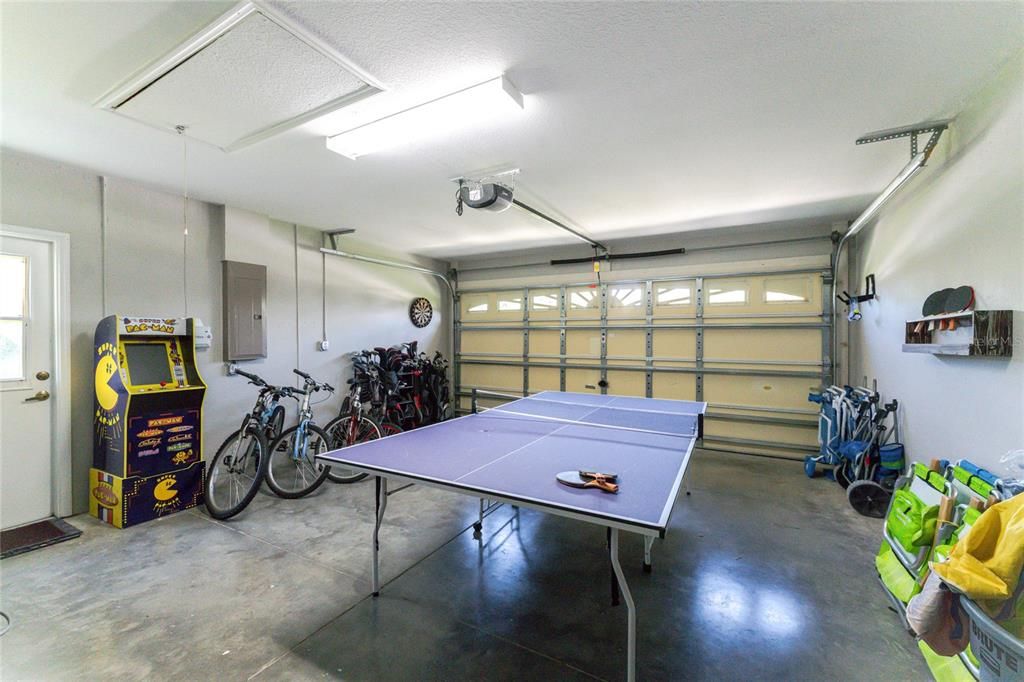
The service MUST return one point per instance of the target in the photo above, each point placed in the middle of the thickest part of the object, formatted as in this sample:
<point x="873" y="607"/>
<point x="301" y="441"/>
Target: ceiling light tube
<point x="474" y="107"/>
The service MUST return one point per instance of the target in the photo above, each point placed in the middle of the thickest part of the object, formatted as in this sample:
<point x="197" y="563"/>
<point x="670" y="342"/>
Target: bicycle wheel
<point x="235" y="473"/>
<point x="389" y="429"/>
<point x="276" y="423"/>
<point x="349" y="430"/>
<point x="293" y="470"/>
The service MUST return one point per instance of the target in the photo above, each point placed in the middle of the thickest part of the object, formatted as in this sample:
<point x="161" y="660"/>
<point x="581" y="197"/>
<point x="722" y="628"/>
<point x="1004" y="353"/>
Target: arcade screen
<point x="147" y="363"/>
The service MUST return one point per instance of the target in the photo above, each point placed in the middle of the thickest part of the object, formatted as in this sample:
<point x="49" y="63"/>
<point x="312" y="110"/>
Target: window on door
<point x="13" y="310"/>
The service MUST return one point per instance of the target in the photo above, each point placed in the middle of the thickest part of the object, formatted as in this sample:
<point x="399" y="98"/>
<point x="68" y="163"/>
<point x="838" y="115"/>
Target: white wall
<point x="960" y="221"/>
<point x="133" y="261"/>
<point x="364" y="305"/>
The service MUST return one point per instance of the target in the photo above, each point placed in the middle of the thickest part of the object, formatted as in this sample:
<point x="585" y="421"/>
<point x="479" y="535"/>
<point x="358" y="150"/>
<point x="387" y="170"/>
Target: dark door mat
<point x="35" y="535"/>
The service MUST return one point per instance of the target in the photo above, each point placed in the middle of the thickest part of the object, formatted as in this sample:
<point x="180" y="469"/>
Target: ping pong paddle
<point x="573" y="479"/>
<point x="959" y="300"/>
<point x="935" y="302"/>
<point x="934" y="305"/>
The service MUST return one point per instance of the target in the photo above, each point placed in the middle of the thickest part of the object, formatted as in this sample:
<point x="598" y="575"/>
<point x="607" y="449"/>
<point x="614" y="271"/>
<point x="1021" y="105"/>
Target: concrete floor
<point x="764" y="574"/>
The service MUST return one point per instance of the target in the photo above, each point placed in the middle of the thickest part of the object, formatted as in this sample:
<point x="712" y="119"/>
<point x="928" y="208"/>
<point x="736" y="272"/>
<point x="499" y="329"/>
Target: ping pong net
<point x="675" y="422"/>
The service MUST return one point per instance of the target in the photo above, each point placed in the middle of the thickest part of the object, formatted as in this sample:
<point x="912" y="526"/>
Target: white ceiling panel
<point x="246" y="76"/>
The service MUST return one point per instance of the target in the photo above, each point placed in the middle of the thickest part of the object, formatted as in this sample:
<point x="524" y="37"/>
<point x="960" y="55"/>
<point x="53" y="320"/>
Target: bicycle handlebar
<point x="313" y="383"/>
<point x="251" y="377"/>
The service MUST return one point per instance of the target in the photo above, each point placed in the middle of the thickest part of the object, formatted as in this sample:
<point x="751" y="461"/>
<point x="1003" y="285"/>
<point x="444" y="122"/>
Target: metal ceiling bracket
<point x="335" y="233"/>
<point x="911" y="131"/>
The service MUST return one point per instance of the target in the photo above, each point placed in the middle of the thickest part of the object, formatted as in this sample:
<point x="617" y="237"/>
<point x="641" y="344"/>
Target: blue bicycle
<point x="293" y="470"/>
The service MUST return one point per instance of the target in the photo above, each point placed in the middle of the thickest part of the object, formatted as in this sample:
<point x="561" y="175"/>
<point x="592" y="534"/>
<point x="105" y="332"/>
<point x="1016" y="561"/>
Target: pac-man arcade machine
<point x="147" y="450"/>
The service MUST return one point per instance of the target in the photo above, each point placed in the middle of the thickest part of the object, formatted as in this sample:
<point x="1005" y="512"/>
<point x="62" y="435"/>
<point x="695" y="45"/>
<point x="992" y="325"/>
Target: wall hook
<point x="854" y="301"/>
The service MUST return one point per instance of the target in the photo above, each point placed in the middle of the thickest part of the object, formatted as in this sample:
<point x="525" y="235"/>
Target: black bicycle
<point x="241" y="462"/>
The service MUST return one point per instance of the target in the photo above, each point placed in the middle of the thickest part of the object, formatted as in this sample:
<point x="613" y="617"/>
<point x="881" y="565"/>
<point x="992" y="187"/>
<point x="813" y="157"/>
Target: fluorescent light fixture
<point x="474" y="107"/>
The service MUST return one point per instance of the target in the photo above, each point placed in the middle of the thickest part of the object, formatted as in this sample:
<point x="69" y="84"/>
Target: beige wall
<point x="136" y="265"/>
<point x="798" y="244"/>
<point x="960" y="221"/>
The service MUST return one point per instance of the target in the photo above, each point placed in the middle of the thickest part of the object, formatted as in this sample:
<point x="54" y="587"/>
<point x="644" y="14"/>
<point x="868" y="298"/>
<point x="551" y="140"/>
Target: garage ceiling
<point x="642" y="118"/>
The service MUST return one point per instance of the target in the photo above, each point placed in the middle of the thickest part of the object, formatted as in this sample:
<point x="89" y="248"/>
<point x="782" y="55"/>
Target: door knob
<point x="42" y="375"/>
<point x="38" y="397"/>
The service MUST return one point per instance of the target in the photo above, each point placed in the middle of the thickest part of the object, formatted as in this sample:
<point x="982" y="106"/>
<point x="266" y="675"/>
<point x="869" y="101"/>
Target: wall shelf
<point x="986" y="333"/>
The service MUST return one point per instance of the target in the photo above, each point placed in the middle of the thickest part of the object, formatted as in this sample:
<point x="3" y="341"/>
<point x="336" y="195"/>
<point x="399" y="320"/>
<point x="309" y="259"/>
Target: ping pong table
<point x="512" y="453"/>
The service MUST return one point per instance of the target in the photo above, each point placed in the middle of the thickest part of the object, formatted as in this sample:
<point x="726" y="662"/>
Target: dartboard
<point x="421" y="312"/>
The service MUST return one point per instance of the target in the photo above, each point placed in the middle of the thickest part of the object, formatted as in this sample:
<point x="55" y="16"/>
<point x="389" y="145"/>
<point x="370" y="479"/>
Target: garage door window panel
<point x="492" y="306"/>
<point x="674" y="299"/>
<point x="583" y="303"/>
<point x="544" y="304"/>
<point x="627" y="302"/>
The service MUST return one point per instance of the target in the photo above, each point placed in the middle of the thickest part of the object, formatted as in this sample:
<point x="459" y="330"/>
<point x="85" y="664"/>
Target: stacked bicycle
<point x="401" y="387"/>
<point x="391" y="390"/>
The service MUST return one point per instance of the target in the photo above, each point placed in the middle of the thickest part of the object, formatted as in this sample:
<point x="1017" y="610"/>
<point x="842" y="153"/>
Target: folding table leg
<point x="380" y="505"/>
<point x="479" y="525"/>
<point x="613" y="553"/>
<point x="648" y="543"/>
<point x="613" y="580"/>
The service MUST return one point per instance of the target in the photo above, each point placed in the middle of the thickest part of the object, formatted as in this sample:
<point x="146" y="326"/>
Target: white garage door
<point x="752" y="345"/>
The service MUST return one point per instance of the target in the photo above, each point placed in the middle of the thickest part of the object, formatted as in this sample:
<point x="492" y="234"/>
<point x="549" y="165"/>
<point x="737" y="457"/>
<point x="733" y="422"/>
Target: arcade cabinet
<point x="148" y="444"/>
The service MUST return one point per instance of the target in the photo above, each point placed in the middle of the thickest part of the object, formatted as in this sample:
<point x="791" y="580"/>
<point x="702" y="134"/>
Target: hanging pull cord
<point x="184" y="214"/>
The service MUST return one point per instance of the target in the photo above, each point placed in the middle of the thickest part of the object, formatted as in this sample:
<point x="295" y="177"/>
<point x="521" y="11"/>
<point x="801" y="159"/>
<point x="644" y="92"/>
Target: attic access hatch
<point x="251" y="74"/>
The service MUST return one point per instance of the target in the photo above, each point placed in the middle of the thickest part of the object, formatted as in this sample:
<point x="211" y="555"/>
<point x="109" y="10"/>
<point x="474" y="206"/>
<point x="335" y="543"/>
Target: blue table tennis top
<point x="514" y="452"/>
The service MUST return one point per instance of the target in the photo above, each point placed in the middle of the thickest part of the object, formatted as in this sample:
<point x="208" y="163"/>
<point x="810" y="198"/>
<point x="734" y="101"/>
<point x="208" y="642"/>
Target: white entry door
<point x="26" y="369"/>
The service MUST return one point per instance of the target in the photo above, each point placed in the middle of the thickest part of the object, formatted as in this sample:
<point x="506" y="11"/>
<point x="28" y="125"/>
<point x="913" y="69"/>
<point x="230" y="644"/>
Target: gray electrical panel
<point x="245" y="303"/>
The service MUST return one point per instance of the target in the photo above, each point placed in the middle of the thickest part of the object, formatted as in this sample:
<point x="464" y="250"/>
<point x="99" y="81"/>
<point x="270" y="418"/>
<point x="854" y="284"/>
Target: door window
<point x="13" y="310"/>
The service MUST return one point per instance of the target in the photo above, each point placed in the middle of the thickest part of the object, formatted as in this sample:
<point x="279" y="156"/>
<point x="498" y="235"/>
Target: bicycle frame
<point x="302" y="434"/>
